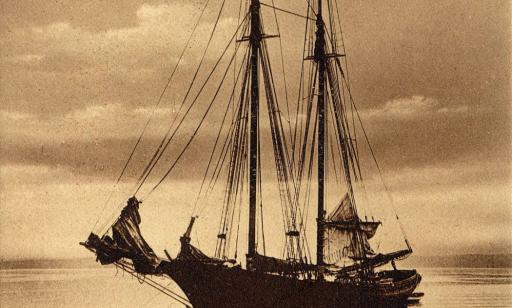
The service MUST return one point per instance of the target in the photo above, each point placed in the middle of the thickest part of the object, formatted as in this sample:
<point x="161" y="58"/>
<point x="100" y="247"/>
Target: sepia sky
<point x="79" y="80"/>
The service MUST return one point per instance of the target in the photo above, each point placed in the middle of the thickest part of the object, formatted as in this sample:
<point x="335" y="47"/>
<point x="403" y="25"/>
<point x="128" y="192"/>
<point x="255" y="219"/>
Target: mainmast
<point x="320" y="59"/>
<point x="254" y="41"/>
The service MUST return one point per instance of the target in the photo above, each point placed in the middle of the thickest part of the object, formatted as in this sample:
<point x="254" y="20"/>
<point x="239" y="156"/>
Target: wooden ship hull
<point x="215" y="285"/>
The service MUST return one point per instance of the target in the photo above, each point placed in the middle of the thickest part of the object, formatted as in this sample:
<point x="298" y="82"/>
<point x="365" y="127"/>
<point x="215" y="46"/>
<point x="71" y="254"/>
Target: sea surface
<point x="106" y="287"/>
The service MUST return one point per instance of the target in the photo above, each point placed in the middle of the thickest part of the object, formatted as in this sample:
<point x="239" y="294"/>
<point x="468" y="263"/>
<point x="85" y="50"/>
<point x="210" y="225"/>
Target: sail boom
<point x="378" y="260"/>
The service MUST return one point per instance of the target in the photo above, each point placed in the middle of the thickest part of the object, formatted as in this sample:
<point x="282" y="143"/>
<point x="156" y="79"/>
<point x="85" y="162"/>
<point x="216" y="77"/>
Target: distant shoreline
<point x="457" y="261"/>
<point x="465" y="261"/>
<point x="49" y="263"/>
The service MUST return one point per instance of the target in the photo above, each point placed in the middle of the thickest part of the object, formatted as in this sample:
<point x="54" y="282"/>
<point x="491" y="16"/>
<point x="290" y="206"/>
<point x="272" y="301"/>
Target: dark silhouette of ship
<point x="347" y="269"/>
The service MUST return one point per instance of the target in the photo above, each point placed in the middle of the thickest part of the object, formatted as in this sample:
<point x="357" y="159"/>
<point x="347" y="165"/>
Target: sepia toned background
<point x="79" y="80"/>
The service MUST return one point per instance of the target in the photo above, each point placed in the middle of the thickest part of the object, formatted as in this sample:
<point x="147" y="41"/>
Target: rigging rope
<point x="347" y="82"/>
<point x="284" y="11"/>
<point x="152" y="114"/>
<point x="217" y="138"/>
<point x="160" y="150"/>
<point x="151" y="298"/>
<point x="236" y="170"/>
<point x="297" y="138"/>
<point x="388" y="193"/>
<point x="232" y="130"/>
<point x="284" y="167"/>
<point x="195" y="99"/>
<point x="238" y="154"/>
<point x="300" y="93"/>
<point x="200" y="123"/>
<point x="282" y="69"/>
<point x="154" y="284"/>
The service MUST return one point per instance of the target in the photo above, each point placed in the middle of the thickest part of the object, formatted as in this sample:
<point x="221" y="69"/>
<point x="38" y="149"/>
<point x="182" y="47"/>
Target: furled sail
<point x="346" y="235"/>
<point x="190" y="253"/>
<point x="126" y="242"/>
<point x="274" y="265"/>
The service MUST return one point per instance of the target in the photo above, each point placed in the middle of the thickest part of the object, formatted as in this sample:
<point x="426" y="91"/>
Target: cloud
<point x="158" y="36"/>
<point x="110" y="121"/>
<point x="33" y="208"/>
<point x="87" y="124"/>
<point x="440" y="176"/>
<point x="77" y="83"/>
<point x="25" y="58"/>
<point x="410" y="108"/>
<point x="22" y="175"/>
<point x="459" y="109"/>
<point x="60" y="66"/>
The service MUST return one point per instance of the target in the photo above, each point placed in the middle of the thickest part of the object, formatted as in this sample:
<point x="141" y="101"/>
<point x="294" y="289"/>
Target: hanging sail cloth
<point x="343" y="212"/>
<point x="346" y="235"/>
<point x="189" y="252"/>
<point x="126" y="242"/>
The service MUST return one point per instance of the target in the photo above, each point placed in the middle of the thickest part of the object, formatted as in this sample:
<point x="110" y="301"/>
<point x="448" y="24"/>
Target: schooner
<point x="344" y="269"/>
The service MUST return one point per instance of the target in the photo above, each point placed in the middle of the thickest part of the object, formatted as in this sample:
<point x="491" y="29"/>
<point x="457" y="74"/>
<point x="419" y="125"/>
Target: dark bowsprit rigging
<point x="321" y="143"/>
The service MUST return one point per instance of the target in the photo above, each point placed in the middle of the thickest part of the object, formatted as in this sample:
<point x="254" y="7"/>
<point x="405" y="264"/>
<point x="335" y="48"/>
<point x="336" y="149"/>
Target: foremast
<point x="255" y="43"/>
<point x="319" y="57"/>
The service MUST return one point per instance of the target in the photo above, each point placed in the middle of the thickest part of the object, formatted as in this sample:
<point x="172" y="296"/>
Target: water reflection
<point x="86" y="288"/>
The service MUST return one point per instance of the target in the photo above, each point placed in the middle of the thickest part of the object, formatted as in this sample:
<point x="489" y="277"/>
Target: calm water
<point x="446" y="287"/>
